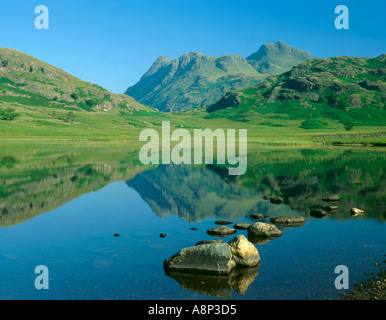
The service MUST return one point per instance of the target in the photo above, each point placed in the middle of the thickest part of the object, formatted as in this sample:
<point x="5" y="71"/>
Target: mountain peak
<point x="276" y="58"/>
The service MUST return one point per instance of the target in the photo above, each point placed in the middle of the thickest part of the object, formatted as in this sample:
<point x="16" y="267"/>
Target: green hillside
<point x="27" y="81"/>
<point x="319" y="90"/>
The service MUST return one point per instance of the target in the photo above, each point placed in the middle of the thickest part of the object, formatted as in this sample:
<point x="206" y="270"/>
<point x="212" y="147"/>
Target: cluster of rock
<point x="214" y="257"/>
<point x="320" y="213"/>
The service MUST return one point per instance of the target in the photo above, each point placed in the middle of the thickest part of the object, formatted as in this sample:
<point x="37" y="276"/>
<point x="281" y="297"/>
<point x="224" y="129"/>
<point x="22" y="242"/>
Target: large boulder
<point x="244" y="252"/>
<point x="212" y="258"/>
<point x="261" y="229"/>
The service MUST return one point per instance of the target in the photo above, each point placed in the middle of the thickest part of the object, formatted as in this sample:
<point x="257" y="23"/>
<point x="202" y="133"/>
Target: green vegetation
<point x="342" y="89"/>
<point x="28" y="82"/>
<point x="8" y="114"/>
<point x="290" y="108"/>
<point x="348" y="125"/>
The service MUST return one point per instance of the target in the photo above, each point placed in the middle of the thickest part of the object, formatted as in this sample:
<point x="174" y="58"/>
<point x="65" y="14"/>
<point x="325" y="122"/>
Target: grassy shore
<point x="44" y="123"/>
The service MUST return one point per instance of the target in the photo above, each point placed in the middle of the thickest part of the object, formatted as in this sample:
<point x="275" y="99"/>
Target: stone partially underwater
<point x="215" y="268"/>
<point x="214" y="258"/>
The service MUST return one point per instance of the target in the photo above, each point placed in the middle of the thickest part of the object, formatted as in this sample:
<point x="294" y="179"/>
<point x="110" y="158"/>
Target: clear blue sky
<point x="112" y="43"/>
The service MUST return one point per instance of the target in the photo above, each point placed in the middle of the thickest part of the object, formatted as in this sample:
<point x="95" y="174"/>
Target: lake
<point x="60" y="206"/>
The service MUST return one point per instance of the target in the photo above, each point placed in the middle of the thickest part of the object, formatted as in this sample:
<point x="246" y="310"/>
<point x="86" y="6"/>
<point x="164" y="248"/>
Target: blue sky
<point x="112" y="43"/>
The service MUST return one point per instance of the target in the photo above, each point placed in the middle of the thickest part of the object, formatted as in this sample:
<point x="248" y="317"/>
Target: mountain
<point x="27" y="81"/>
<point x="192" y="80"/>
<point x="276" y="58"/>
<point x="339" y="88"/>
<point x="195" y="80"/>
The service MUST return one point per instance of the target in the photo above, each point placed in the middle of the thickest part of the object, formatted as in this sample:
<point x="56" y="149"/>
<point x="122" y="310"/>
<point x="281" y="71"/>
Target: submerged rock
<point x="276" y="200"/>
<point x="162" y="235"/>
<point x="221" y="231"/>
<point x="261" y="229"/>
<point x="288" y="220"/>
<point x="242" y="225"/>
<point x="356" y="212"/>
<point x="116" y="234"/>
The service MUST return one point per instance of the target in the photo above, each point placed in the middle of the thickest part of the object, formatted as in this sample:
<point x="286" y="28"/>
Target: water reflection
<point x="35" y="181"/>
<point x="217" y="286"/>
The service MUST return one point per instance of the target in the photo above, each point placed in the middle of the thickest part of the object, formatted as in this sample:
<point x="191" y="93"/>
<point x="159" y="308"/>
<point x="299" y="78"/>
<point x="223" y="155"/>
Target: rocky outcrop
<point x="229" y="100"/>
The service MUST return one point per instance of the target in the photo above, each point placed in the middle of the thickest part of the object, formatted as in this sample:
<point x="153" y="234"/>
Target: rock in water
<point x="276" y="200"/>
<point x="242" y="225"/>
<point x="223" y="222"/>
<point x="261" y="229"/>
<point x="257" y="216"/>
<point x="244" y="252"/>
<point x="212" y="258"/>
<point x="288" y="221"/>
<point x="116" y="234"/>
<point x="330" y="208"/>
<point x="331" y="198"/>
<point x="316" y="213"/>
<point x="222" y="231"/>
<point x="356" y="212"/>
<point x="162" y="235"/>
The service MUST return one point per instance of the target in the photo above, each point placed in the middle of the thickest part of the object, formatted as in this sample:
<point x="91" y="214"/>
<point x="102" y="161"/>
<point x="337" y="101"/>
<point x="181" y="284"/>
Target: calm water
<point x="61" y="208"/>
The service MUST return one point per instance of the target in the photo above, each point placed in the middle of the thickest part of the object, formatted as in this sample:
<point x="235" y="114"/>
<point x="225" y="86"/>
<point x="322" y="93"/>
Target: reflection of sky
<point x="86" y="261"/>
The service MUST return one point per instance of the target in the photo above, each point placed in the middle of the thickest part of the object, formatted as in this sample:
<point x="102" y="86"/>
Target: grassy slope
<point x="27" y="81"/>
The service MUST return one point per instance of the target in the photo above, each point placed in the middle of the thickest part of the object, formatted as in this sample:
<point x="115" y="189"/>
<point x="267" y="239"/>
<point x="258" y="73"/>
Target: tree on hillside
<point x="348" y="125"/>
<point x="8" y="114"/>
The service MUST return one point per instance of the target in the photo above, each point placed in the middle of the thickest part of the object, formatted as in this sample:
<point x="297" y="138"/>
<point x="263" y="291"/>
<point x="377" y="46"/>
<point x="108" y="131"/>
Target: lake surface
<point x="60" y="206"/>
